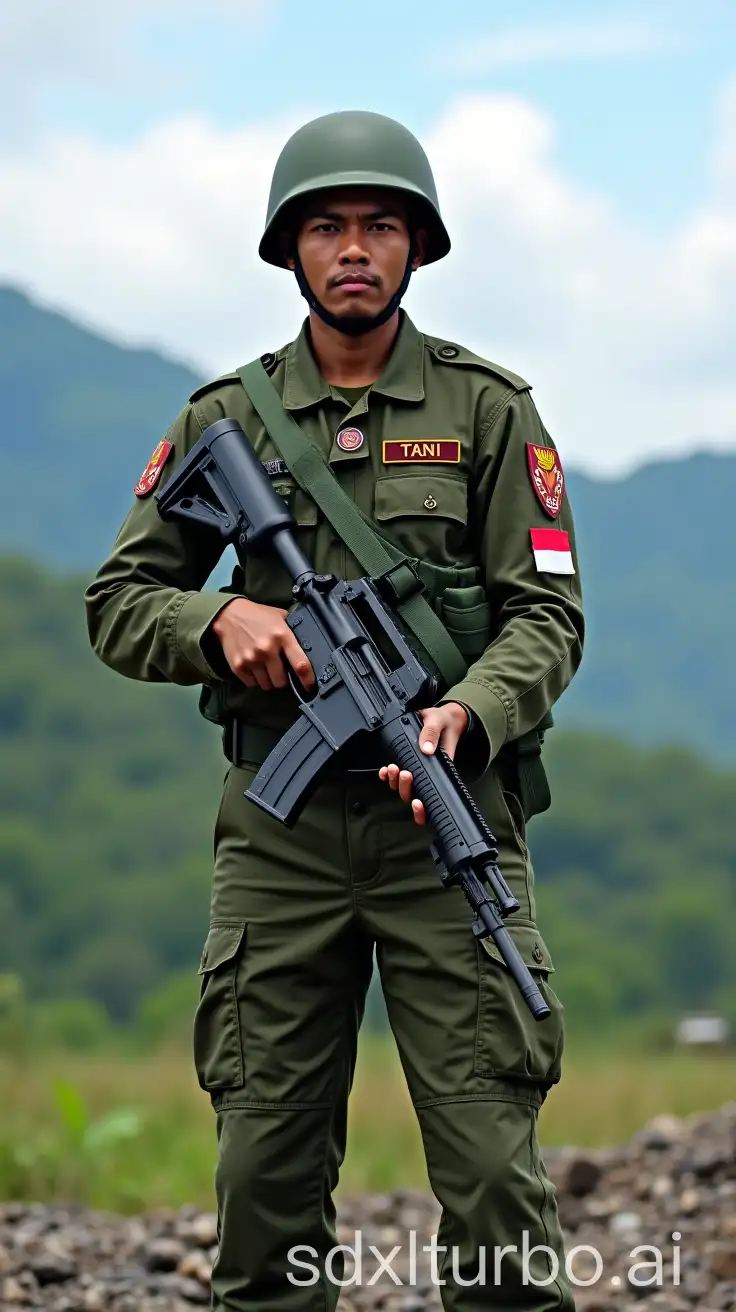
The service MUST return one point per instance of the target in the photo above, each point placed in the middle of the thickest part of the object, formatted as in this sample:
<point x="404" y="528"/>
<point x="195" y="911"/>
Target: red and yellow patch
<point x="432" y="451"/>
<point x="152" y="472"/>
<point x="547" y="477"/>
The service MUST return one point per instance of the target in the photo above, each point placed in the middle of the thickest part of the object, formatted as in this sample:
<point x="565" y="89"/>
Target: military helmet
<point x="352" y="148"/>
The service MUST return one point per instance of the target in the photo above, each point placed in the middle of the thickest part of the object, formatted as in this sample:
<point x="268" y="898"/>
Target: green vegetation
<point x="108" y="793"/>
<point x="127" y="1132"/>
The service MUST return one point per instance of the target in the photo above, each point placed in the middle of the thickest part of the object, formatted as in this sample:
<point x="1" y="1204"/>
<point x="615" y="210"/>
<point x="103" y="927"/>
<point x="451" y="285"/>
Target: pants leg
<point x="284" y="972"/>
<point x="477" y="1065"/>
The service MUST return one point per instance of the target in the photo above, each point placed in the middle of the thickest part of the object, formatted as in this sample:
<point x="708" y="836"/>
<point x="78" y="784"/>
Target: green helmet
<point x="352" y="148"/>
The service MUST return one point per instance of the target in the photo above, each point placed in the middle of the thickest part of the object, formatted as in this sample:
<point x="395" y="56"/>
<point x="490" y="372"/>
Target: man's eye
<point x="325" y="227"/>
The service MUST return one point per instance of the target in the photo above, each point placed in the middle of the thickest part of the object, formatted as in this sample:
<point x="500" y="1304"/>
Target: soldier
<point x="445" y="454"/>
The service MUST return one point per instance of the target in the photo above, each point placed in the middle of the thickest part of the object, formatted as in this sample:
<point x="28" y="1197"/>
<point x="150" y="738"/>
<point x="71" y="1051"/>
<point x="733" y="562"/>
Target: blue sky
<point x="632" y="124"/>
<point x="588" y="151"/>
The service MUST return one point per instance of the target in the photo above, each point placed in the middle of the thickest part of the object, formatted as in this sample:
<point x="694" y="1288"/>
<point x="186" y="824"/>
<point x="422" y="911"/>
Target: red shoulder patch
<point x="152" y="472"/>
<point x="547" y="477"/>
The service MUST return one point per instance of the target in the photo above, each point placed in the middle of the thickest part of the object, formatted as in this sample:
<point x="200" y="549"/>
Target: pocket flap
<point x="221" y="945"/>
<point x="532" y="947"/>
<point x="429" y="494"/>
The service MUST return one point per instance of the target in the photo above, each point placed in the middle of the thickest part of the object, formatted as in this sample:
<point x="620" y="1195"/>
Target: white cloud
<point x="83" y="44"/>
<point x="627" y="338"/>
<point x="555" y="43"/>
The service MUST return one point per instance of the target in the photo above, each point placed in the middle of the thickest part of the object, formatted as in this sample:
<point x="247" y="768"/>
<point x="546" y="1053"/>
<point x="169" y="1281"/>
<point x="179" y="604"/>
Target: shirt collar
<point x="402" y="377"/>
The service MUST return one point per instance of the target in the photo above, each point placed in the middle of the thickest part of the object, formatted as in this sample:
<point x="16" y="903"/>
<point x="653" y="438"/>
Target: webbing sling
<point x="308" y="467"/>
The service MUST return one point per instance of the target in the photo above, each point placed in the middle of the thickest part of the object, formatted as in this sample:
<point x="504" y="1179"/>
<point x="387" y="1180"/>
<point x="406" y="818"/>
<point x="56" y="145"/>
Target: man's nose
<point x="353" y="249"/>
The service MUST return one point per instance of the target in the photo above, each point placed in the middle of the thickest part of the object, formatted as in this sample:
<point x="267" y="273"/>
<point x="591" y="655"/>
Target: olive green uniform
<point x="295" y="915"/>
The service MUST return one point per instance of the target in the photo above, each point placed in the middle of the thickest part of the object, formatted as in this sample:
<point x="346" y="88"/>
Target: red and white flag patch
<point x="153" y="470"/>
<point x="552" y="554"/>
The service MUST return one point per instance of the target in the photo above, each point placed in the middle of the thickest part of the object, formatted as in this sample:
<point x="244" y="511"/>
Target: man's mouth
<point x="355" y="282"/>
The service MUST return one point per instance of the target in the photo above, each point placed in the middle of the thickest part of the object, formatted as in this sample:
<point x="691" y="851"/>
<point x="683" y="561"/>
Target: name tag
<point x="441" y="450"/>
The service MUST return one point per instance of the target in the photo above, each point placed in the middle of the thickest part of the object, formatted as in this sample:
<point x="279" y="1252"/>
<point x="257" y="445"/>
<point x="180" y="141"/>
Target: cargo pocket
<point x="467" y="616"/>
<point x="510" y="1044"/>
<point x="218" y="1049"/>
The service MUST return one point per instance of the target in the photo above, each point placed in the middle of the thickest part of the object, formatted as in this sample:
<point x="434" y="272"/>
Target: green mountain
<point x="82" y="415"/>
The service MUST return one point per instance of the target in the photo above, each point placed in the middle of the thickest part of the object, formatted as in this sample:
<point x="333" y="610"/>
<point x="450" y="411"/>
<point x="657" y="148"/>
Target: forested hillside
<point x="108" y="792"/>
<point x="82" y="415"/>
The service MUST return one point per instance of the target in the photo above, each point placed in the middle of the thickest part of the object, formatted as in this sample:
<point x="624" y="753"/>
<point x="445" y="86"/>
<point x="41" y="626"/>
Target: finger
<point x="276" y="670"/>
<point x="298" y="660"/>
<point x="449" y="741"/>
<point x="262" y="677"/>
<point x="417" y="807"/>
<point x="383" y="774"/>
<point x="393" y="776"/>
<point x="430" y="734"/>
<point x="405" y="783"/>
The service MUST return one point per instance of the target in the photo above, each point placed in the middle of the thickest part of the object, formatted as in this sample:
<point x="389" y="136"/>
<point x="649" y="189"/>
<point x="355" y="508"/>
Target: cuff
<point x="198" y="646"/>
<point x="488" y="727"/>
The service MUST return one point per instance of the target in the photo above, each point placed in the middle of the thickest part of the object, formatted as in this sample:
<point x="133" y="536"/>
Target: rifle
<point x="369" y="680"/>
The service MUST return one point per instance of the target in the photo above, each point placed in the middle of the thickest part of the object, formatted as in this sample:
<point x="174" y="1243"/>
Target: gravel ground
<point x="675" y="1178"/>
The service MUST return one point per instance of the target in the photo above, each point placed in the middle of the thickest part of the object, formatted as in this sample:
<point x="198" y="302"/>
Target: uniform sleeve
<point x="536" y="613"/>
<point x="146" y="615"/>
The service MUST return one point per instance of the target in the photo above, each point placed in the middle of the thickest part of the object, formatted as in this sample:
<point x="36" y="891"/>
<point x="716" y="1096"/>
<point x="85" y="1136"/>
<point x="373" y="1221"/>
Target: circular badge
<point x="349" y="439"/>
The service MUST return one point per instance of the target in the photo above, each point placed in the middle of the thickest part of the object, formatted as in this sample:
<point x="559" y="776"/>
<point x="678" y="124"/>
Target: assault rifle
<point x="369" y="680"/>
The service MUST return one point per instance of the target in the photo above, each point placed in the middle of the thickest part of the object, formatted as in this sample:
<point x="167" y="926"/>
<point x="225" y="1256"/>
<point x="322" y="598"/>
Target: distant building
<point x="703" y="1030"/>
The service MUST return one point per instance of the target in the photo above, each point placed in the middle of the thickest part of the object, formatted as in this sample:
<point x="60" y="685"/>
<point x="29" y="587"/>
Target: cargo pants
<point x="294" y="920"/>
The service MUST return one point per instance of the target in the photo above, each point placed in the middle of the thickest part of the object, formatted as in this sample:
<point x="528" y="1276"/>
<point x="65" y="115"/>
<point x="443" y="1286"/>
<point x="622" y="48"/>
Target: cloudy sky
<point x="585" y="157"/>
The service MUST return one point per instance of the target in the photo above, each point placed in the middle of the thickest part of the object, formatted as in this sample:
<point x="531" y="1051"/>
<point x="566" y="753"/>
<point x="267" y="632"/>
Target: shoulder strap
<point x="312" y="474"/>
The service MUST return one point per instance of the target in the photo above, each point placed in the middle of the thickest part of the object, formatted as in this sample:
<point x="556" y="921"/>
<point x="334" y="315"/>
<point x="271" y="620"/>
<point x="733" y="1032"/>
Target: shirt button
<point x="448" y="352"/>
<point x="358" y="808"/>
<point x="430" y="503"/>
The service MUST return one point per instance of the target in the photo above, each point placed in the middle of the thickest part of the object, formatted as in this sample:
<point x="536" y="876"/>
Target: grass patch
<point x="125" y="1133"/>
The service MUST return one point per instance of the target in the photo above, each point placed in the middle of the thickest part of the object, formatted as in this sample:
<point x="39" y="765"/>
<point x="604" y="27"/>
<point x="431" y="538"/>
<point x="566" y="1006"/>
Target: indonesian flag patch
<point x="152" y="472"/>
<point x="552" y="554"/>
<point x="547" y="477"/>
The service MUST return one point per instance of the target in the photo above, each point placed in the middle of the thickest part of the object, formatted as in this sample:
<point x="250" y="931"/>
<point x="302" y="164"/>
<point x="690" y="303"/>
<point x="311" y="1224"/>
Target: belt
<point x="250" y="744"/>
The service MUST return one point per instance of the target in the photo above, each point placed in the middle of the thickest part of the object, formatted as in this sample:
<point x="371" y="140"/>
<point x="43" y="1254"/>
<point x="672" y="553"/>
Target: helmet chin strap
<point x="353" y="325"/>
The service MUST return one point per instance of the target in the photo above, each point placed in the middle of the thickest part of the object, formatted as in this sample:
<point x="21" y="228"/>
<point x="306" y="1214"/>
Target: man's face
<point x="353" y="245"/>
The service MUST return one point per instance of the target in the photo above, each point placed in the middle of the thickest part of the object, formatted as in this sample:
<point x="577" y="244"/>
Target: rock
<point x="661" y="1132"/>
<point x="13" y="1292"/>
<point x="625" y="1223"/>
<point x="94" y="1299"/>
<point x="196" y="1267"/>
<point x="722" y="1261"/>
<point x="52" y="1268"/>
<point x="200" y="1230"/>
<point x="662" y="1187"/>
<point x="580" y="1176"/>
<point x="163" y="1255"/>
<point x="689" y="1202"/>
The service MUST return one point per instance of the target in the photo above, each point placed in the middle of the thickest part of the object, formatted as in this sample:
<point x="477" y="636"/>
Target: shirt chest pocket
<point x="426" y="513"/>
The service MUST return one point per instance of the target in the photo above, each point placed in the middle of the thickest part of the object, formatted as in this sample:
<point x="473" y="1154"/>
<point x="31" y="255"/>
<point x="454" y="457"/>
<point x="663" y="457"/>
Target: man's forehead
<point x="339" y="200"/>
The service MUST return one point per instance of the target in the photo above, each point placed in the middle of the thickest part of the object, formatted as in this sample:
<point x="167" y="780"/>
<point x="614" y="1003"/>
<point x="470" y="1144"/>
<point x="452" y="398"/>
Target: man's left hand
<point x="443" y="726"/>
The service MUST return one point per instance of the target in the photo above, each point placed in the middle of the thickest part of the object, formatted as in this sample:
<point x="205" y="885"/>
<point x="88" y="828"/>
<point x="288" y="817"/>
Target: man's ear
<point x="420" y="248"/>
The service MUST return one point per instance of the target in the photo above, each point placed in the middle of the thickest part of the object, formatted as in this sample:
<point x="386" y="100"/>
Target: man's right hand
<point x="254" y="639"/>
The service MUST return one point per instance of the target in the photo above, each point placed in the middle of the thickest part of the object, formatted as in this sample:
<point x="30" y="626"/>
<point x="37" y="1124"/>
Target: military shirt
<point x="149" y="617"/>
